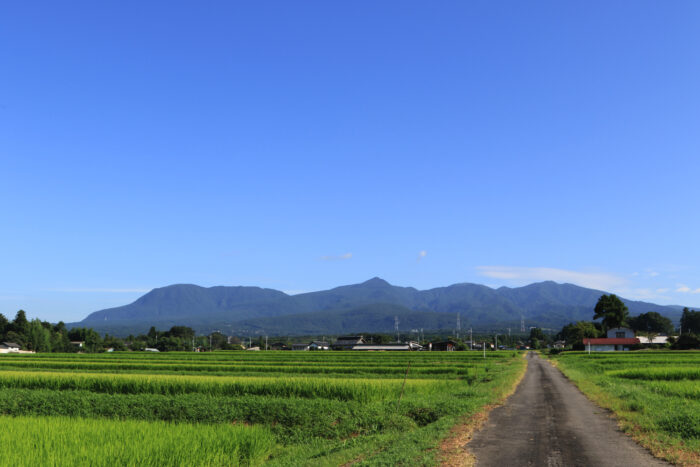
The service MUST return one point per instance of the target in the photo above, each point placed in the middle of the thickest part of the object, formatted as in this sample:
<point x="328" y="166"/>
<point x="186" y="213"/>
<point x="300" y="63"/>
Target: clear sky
<point x="302" y="145"/>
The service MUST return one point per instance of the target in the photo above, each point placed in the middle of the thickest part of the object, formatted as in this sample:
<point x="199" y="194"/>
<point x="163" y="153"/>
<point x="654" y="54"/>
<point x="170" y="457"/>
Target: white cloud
<point x="337" y="257"/>
<point x="683" y="288"/>
<point x="99" y="290"/>
<point x="595" y="280"/>
<point x="422" y="254"/>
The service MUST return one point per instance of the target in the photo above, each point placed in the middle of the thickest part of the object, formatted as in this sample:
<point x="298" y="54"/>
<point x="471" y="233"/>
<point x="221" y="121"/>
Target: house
<point x="618" y="339"/>
<point x="620" y="333"/>
<point x="9" y="347"/>
<point x="347" y="342"/>
<point x="448" y="346"/>
<point x="318" y="345"/>
<point x="279" y="346"/>
<point x="559" y="344"/>
<point x="300" y="346"/>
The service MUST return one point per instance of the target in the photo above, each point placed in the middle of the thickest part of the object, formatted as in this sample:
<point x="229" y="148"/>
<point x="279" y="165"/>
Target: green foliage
<point x="612" y="310"/>
<point x="651" y="322"/>
<point x="690" y="321"/>
<point x="574" y="333"/>
<point x="686" y="342"/>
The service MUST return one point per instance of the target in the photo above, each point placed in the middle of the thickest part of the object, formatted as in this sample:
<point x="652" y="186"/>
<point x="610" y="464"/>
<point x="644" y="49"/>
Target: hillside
<point x="365" y="307"/>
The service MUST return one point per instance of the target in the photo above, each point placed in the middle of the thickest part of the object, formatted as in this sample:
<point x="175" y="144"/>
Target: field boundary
<point x="611" y="404"/>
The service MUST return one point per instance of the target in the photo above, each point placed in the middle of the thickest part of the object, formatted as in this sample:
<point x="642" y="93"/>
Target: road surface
<point x="549" y="422"/>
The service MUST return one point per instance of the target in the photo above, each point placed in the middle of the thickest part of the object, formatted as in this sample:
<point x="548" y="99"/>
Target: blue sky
<point x="305" y="145"/>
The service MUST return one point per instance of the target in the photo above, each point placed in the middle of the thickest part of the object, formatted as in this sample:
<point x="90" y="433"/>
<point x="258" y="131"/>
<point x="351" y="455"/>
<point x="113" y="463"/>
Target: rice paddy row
<point x="310" y="408"/>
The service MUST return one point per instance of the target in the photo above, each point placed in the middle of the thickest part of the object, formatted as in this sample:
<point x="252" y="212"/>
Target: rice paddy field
<point x="243" y="408"/>
<point x="654" y="394"/>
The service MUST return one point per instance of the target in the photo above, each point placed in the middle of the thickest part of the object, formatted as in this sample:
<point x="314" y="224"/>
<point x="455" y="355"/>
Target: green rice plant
<point x="69" y="441"/>
<point x="340" y="389"/>
<point x="665" y="374"/>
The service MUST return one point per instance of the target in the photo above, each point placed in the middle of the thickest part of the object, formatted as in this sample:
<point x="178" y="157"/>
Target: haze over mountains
<point x="366" y="307"/>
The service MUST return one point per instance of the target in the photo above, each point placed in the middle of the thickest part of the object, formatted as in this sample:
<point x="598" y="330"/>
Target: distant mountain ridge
<point x="366" y="307"/>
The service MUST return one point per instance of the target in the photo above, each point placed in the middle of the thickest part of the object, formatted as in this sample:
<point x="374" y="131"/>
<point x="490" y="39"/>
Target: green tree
<point x="574" y="333"/>
<point x="651" y="322"/>
<point x="20" y="324"/>
<point x="690" y="321"/>
<point x="38" y="337"/>
<point x="612" y="310"/>
<point x="4" y="325"/>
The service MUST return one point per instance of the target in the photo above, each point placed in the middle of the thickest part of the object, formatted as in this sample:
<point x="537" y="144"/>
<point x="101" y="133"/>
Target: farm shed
<point x="318" y="345"/>
<point x="381" y="347"/>
<point x="300" y="346"/>
<point x="609" y="344"/>
<point x="347" y="342"/>
<point x="448" y="346"/>
<point x="654" y="340"/>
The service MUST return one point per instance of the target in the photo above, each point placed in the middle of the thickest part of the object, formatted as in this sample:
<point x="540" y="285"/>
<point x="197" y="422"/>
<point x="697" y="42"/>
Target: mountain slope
<point x="368" y="306"/>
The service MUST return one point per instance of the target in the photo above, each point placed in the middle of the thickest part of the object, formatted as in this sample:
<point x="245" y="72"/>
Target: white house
<point x="319" y="345"/>
<point x="9" y="347"/>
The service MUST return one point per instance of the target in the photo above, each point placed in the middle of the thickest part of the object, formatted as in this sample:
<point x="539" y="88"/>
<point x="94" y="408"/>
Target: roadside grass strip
<point x="37" y="441"/>
<point x="655" y="396"/>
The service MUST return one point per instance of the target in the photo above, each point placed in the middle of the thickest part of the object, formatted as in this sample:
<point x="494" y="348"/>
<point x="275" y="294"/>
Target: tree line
<point x="42" y="336"/>
<point x="613" y="313"/>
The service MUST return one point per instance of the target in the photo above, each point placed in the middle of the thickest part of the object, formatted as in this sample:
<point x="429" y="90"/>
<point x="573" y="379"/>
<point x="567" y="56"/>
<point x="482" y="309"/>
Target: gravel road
<point x="548" y="422"/>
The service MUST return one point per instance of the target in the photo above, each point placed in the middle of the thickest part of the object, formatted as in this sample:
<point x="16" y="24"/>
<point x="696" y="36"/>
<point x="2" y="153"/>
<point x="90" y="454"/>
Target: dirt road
<point x="548" y="422"/>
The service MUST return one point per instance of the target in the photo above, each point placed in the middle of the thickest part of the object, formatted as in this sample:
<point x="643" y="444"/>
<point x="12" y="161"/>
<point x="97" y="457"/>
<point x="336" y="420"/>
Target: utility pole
<point x="522" y="323"/>
<point x="265" y="342"/>
<point x="496" y="338"/>
<point x="396" y="328"/>
<point x="471" y="340"/>
<point x="459" y="326"/>
<point x="484" y="346"/>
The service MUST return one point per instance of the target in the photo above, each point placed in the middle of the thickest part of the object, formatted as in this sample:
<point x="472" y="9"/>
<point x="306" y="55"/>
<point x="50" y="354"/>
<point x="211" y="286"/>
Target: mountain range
<point x="370" y="306"/>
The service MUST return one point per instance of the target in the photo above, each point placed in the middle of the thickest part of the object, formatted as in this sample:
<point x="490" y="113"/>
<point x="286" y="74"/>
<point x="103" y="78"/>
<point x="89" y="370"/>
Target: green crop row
<point x="320" y="418"/>
<point x="69" y="441"/>
<point x="340" y="389"/>
<point x="672" y="373"/>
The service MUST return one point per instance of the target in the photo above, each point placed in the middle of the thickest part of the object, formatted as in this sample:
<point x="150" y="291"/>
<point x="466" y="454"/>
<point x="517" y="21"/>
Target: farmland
<point x="243" y="408"/>
<point x="655" y="395"/>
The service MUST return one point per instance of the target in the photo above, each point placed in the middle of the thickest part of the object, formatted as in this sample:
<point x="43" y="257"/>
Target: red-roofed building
<point x="618" y="339"/>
